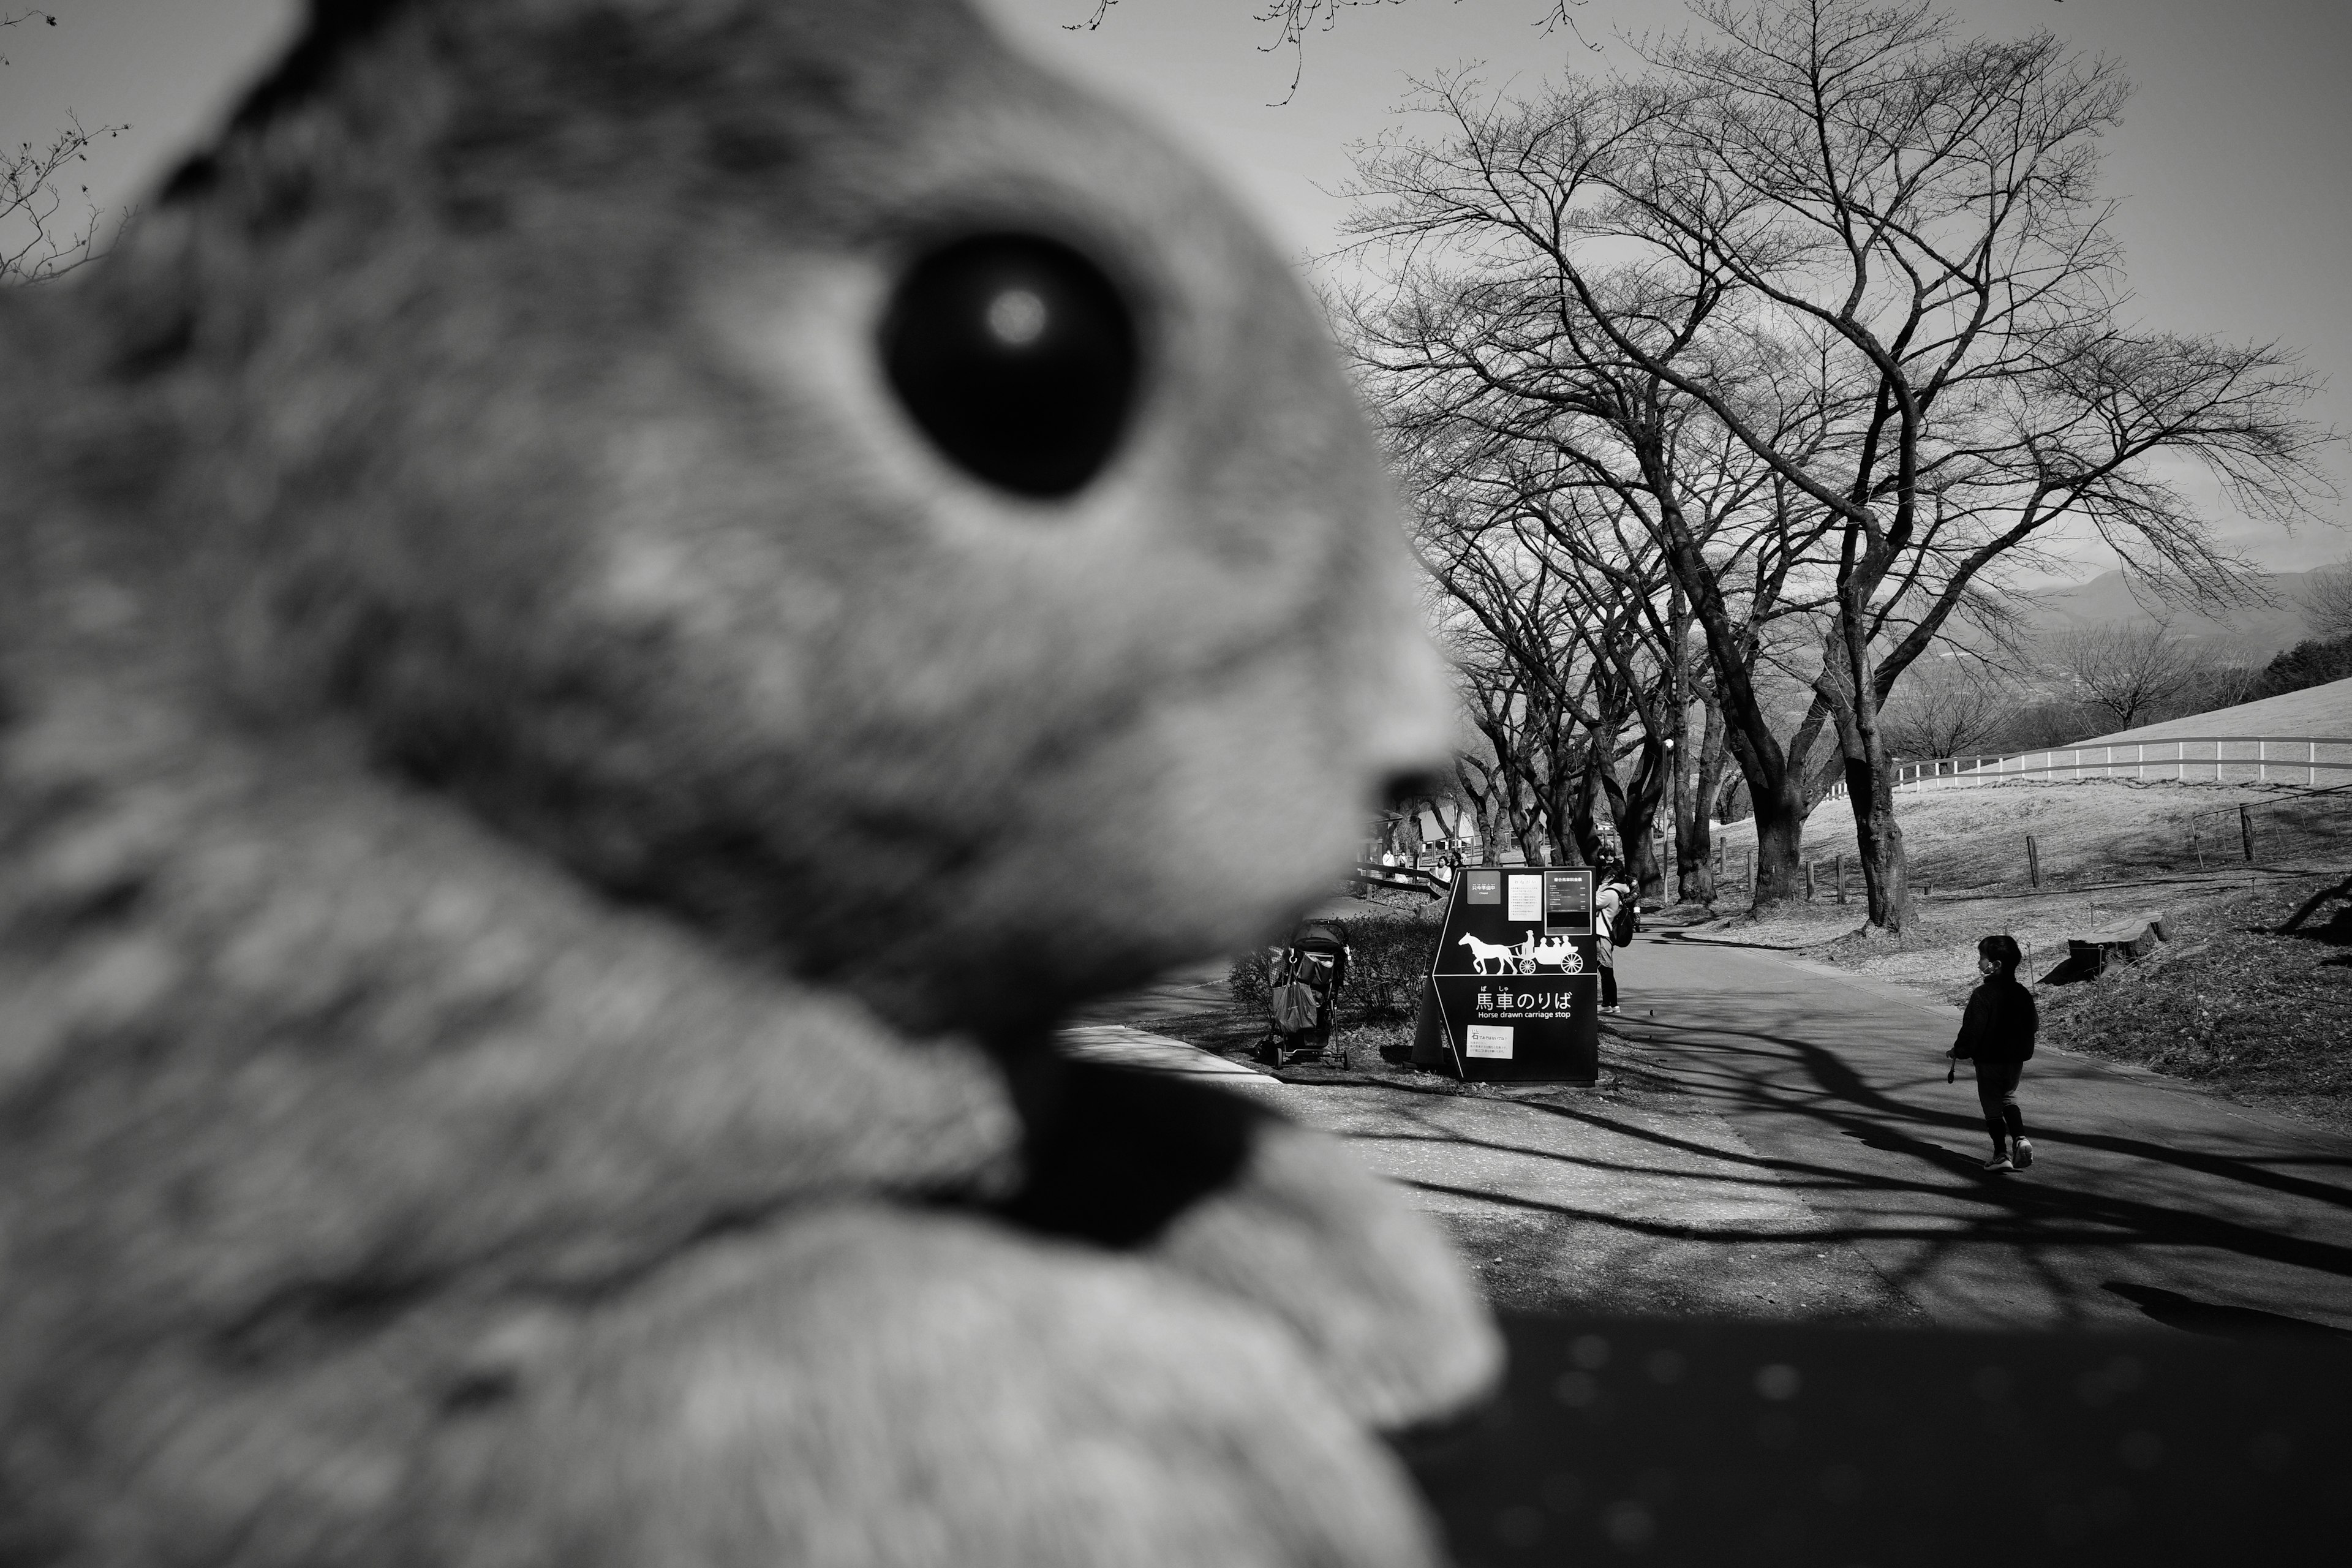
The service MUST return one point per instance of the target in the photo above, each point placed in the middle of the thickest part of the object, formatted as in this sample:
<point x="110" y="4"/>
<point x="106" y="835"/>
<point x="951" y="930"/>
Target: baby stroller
<point x="1303" y="991"/>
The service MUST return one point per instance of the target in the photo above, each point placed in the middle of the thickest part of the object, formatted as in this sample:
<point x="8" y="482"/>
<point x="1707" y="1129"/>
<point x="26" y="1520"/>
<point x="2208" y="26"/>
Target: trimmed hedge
<point x="1389" y="956"/>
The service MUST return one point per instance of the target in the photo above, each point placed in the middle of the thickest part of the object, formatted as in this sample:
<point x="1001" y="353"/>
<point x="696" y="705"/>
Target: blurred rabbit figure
<point x="607" y="611"/>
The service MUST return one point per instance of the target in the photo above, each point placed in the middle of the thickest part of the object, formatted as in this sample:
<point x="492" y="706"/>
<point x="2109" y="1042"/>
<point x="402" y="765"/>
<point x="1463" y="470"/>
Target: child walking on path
<point x="1997" y="1034"/>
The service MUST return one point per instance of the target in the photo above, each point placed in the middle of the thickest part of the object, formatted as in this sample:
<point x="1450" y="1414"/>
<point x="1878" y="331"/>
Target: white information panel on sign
<point x="1490" y="1040"/>
<point x="1526" y="898"/>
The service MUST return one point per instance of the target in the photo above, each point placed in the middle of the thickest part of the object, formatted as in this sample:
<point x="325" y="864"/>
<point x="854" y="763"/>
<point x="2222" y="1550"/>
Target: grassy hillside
<point x="2229" y="1003"/>
<point x="2316" y="711"/>
<point x="2097" y="830"/>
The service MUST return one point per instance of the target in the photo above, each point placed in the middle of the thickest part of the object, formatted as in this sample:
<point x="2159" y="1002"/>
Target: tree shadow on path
<point x="2214" y="1318"/>
<point x="1798" y="1102"/>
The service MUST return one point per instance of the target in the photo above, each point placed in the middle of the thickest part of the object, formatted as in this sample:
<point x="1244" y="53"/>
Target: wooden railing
<point x="2309" y="760"/>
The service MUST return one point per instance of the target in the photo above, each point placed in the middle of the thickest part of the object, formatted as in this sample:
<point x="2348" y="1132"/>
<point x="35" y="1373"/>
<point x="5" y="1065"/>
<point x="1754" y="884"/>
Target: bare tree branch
<point x="1294" y="19"/>
<point x="40" y="237"/>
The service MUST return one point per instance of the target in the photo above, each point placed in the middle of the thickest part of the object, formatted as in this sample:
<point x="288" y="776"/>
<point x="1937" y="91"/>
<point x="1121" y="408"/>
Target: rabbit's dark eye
<point x="1017" y="356"/>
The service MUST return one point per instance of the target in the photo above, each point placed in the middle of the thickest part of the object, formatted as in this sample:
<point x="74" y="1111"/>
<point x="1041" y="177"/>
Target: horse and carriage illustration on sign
<point x="1530" y="953"/>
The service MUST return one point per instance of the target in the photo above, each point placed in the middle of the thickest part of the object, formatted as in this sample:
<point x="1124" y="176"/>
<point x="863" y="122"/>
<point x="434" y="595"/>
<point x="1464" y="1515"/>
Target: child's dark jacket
<point x="2000" y="1023"/>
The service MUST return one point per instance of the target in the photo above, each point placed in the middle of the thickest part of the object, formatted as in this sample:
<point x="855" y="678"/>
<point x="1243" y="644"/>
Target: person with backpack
<point x="1997" y="1034"/>
<point x="1614" y="922"/>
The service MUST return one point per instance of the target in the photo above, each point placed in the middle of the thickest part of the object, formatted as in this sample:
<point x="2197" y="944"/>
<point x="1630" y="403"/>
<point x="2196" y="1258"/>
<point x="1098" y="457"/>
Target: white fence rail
<point x="2311" y="761"/>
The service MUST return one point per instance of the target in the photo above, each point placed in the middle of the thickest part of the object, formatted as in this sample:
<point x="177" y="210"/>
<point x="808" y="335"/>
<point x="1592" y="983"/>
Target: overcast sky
<point x="2234" y="163"/>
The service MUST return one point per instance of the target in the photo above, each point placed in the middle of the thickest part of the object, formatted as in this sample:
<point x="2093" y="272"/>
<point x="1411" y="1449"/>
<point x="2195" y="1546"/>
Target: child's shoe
<point x="1999" y="1161"/>
<point x="2022" y="1155"/>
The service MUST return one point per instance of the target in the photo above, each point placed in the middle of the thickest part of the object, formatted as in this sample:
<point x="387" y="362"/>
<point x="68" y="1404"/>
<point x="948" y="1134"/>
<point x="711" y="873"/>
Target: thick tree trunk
<point x="1641" y="866"/>
<point x="1870" y="789"/>
<point x="1779" y="842"/>
<point x="1566" y="850"/>
<point x="1490" y="835"/>
<point x="1694" y="835"/>
<point x="1636" y="809"/>
<point x="1849" y="688"/>
<point x="1590" y="800"/>
<point x="1494" y="829"/>
<point x="1524" y="818"/>
<point x="1592" y="806"/>
<point x="1481" y="808"/>
<point x="1779" y="838"/>
<point x="1885" y="866"/>
<point x="1521" y="800"/>
<point x="1563" y="787"/>
<point x="1678" y="794"/>
<point x="1777" y="795"/>
<point x="1568" y="826"/>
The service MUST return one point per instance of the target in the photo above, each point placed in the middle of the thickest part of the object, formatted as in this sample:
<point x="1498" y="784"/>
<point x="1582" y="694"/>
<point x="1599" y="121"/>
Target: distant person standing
<point x="1612" y="910"/>
<point x="1997" y="1034"/>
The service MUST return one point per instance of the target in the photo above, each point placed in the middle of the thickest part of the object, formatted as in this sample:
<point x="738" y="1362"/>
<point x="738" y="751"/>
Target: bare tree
<point x="1948" y="707"/>
<point x="2227" y="673"/>
<point x="2127" y="672"/>
<point x="2326" y="600"/>
<point x="1294" y="19"/>
<point x="1511" y="615"/>
<point x="41" y="235"/>
<point x="1570" y="593"/>
<point x="1864" y="255"/>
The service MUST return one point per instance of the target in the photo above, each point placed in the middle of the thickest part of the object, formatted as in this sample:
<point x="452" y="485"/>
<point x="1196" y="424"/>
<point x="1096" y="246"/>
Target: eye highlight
<point x="1017" y="357"/>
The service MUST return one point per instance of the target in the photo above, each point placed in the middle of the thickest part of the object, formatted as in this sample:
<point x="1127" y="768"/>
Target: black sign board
<point x="1512" y="994"/>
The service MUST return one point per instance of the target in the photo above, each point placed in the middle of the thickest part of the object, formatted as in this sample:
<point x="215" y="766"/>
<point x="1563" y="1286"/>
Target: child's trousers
<point x="1997" y="1093"/>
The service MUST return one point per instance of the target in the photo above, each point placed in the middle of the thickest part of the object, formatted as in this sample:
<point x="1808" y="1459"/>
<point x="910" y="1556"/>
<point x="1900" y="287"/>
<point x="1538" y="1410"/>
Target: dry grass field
<point x="2096" y="831"/>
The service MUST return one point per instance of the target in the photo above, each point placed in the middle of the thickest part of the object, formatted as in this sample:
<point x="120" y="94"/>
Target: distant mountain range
<point x="2251" y="634"/>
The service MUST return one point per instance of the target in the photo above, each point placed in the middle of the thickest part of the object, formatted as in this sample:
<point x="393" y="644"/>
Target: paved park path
<point x="2148" y="1198"/>
<point x="1781" y="1144"/>
<point x="1640" y="1203"/>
